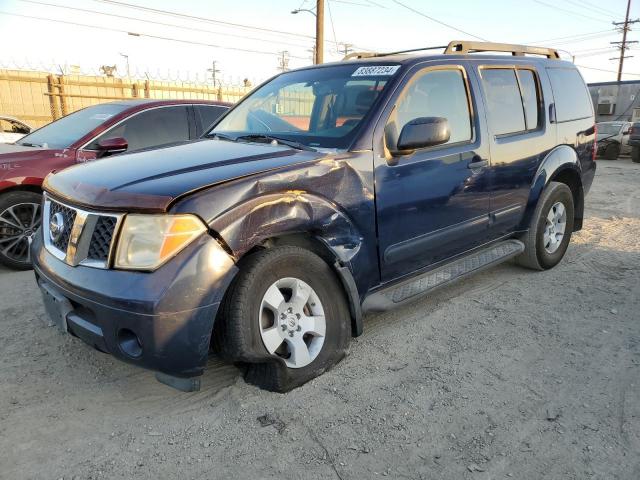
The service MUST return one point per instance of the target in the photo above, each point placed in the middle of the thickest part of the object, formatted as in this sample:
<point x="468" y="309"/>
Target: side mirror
<point x="423" y="132"/>
<point x="109" y="146"/>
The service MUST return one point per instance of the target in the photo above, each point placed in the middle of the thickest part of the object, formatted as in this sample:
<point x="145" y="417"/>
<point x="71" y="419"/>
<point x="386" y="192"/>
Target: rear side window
<point x="208" y="114"/>
<point x="529" y="89"/>
<point x="570" y="94"/>
<point x="506" y="113"/>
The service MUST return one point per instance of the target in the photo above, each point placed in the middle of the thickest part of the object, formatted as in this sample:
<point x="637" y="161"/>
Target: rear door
<point x="516" y="99"/>
<point x="431" y="204"/>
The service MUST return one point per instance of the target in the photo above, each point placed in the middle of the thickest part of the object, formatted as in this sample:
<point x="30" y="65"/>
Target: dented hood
<point x="151" y="180"/>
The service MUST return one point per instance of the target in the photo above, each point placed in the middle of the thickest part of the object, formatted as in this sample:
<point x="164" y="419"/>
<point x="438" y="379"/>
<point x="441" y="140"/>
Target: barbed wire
<point x="135" y="73"/>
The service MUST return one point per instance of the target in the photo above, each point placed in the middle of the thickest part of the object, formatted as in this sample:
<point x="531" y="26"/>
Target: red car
<point x="88" y="134"/>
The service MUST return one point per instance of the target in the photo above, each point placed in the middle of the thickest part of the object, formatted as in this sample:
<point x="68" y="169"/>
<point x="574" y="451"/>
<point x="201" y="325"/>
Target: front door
<point x="431" y="204"/>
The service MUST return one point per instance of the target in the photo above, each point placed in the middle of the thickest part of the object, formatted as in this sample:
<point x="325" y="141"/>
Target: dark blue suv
<point x="328" y="192"/>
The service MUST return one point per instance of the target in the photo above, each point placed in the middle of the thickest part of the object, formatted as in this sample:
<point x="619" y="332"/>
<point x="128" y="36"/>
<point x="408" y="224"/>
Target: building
<point x="615" y="101"/>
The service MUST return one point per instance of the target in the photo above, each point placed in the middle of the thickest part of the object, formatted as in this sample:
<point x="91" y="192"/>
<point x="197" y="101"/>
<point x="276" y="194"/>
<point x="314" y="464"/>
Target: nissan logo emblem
<point x="56" y="227"/>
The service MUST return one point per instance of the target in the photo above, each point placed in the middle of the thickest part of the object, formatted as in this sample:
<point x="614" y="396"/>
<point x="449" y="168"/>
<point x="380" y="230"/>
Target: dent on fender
<point x="247" y="211"/>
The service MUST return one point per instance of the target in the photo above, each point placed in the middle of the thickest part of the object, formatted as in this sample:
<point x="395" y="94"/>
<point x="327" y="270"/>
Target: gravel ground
<point x="509" y="374"/>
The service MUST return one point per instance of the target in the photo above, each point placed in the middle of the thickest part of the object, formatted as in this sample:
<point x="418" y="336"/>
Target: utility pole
<point x="283" y="61"/>
<point x="346" y="48"/>
<point x="319" y="31"/>
<point x="213" y="71"/>
<point x="623" y="44"/>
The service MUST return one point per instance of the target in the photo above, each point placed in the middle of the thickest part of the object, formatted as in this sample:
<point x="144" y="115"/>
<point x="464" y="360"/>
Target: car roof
<point x="151" y="102"/>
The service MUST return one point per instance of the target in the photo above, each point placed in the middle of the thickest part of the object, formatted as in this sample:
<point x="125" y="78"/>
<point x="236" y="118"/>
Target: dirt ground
<point x="509" y="374"/>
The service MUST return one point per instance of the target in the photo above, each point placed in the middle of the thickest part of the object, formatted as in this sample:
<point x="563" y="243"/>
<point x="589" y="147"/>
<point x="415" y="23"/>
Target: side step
<point x="444" y="275"/>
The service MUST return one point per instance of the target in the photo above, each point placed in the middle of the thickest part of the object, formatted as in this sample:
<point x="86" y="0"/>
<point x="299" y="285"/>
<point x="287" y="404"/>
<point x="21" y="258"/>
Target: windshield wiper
<point x="270" y="138"/>
<point x="221" y="136"/>
<point x="27" y="144"/>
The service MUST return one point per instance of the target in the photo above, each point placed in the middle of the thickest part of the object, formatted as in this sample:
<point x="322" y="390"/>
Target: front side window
<point x="433" y="93"/>
<point x="319" y="107"/>
<point x="150" y="128"/>
<point x="208" y="114"/>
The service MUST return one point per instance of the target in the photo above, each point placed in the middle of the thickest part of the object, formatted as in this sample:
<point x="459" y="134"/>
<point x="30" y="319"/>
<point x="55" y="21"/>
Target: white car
<point x="12" y="129"/>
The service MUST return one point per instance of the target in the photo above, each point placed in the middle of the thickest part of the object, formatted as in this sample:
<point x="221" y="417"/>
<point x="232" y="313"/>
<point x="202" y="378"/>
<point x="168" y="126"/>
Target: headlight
<point x="147" y="241"/>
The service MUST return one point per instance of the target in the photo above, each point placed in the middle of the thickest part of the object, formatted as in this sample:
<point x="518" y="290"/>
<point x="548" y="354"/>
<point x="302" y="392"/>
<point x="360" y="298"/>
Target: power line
<point x="584" y="2"/>
<point x="156" y="37"/>
<point x="608" y="71"/>
<point x="200" y="19"/>
<point x="581" y="6"/>
<point x="333" y="28"/>
<point x="154" y="22"/>
<point x="570" y="36"/>
<point x="571" y="12"/>
<point x="417" y="12"/>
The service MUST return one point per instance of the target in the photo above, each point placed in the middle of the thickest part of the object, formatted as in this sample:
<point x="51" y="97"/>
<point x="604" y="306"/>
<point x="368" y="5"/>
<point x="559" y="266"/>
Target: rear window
<point x="570" y="94"/>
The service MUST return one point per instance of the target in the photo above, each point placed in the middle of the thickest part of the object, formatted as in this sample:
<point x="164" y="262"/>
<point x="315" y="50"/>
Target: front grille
<point x="69" y="217"/>
<point x="100" y="243"/>
<point x="86" y="237"/>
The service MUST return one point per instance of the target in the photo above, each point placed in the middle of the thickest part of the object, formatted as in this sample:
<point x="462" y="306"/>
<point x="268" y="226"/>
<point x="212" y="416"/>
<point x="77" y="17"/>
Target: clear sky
<point x="581" y="27"/>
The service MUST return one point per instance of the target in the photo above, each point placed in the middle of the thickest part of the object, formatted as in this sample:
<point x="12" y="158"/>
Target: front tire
<point x="20" y="217"/>
<point x="285" y="316"/>
<point x="550" y="230"/>
<point x="612" y="152"/>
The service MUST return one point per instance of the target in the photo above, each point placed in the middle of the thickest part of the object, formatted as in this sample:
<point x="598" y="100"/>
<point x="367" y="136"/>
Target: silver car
<point x="613" y="139"/>
<point x="12" y="129"/>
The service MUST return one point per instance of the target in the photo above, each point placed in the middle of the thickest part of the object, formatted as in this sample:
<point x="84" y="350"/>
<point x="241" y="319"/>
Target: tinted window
<point x="570" y="94"/>
<point x="151" y="128"/>
<point x="504" y="103"/>
<point x="529" y="88"/>
<point x="440" y="93"/>
<point x="64" y="132"/>
<point x="208" y="114"/>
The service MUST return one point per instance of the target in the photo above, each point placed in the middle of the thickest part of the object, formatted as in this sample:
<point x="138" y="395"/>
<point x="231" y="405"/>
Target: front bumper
<point x="159" y="320"/>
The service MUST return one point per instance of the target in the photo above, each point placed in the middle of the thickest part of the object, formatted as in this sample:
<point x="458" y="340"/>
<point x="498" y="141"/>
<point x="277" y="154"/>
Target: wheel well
<point x="572" y="179"/>
<point x="22" y="188"/>
<point x="313" y="244"/>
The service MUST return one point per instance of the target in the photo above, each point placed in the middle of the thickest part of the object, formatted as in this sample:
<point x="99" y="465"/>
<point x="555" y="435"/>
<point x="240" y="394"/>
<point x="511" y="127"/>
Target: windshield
<point x="609" y="128"/>
<point x="64" y="132"/>
<point x="320" y="107"/>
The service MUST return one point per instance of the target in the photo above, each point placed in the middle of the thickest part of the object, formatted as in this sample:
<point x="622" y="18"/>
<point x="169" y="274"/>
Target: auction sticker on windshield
<point x="376" y="70"/>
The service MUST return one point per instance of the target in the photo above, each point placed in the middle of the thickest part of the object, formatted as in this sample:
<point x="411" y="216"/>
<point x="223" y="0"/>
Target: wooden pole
<point x="319" y="31"/>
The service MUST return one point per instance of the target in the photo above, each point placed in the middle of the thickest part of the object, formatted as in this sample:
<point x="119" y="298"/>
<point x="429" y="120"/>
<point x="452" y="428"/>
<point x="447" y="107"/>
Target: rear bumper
<point x="161" y="320"/>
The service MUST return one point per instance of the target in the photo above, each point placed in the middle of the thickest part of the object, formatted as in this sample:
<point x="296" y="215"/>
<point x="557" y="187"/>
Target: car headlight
<point x="148" y="241"/>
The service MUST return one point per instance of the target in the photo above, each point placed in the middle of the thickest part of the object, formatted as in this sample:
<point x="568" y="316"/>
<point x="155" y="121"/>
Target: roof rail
<point x="376" y="54"/>
<point x="464" y="47"/>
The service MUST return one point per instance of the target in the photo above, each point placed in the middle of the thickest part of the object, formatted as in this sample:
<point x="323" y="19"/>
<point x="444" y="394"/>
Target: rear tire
<point x="612" y="152"/>
<point x="20" y="217"/>
<point x="635" y="154"/>
<point x="285" y="316"/>
<point x="550" y="229"/>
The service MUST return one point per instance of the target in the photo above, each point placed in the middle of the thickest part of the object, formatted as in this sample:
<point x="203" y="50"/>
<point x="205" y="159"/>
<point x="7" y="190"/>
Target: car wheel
<point x="550" y="230"/>
<point x="20" y="217"/>
<point x="285" y="316"/>
<point x="635" y="154"/>
<point x="612" y="152"/>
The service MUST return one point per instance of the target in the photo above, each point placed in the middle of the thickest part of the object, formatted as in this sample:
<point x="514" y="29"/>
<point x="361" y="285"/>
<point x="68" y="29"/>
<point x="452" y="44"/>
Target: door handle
<point x="478" y="163"/>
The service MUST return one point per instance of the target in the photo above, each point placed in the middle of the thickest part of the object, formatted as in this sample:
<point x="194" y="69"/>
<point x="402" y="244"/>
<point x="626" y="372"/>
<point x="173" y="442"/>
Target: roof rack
<point x="465" y="47"/>
<point x="359" y="55"/>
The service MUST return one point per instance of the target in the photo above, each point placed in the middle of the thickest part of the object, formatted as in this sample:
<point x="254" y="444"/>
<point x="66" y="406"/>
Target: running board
<point x="441" y="276"/>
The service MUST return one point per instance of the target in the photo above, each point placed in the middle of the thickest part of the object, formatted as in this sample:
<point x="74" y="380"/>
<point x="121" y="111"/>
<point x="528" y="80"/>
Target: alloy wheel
<point x="292" y="322"/>
<point x="18" y="224"/>
<point x="555" y="226"/>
